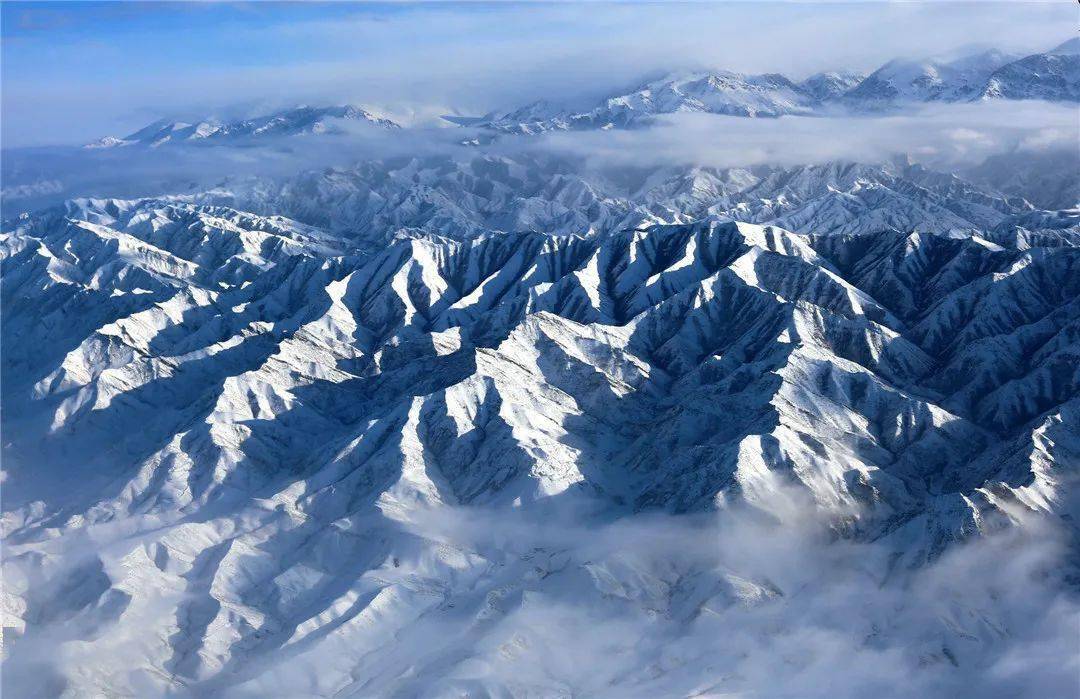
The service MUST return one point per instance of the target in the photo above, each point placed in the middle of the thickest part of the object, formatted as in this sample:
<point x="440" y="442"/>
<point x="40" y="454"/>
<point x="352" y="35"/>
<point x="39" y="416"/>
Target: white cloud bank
<point x="560" y="601"/>
<point x="946" y="135"/>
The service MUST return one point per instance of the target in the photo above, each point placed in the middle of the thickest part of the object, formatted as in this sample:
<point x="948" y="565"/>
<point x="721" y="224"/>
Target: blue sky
<point x="48" y="38"/>
<point x="76" y="71"/>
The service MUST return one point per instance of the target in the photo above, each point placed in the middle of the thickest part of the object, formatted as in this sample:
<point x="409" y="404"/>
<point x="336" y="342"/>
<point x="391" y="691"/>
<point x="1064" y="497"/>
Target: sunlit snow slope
<point x="242" y="459"/>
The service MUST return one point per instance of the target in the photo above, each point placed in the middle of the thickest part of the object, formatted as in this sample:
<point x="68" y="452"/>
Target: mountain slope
<point x="830" y="85"/>
<point x="302" y="120"/>
<point x="464" y="197"/>
<point x="281" y="445"/>
<point x="924" y="81"/>
<point x="1051" y="76"/>
<point x="732" y="94"/>
<point x="1048" y="76"/>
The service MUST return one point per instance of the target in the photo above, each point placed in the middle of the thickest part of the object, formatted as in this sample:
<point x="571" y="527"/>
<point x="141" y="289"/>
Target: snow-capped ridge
<point x="298" y="121"/>
<point x="265" y="417"/>
<point x="899" y="82"/>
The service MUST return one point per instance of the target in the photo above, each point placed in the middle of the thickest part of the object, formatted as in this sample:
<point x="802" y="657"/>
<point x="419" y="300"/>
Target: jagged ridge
<point x="277" y="407"/>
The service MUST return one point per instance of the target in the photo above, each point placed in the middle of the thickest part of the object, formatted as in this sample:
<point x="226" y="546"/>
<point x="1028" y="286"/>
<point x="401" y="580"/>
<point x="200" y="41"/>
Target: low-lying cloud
<point x="945" y="135"/>
<point x="567" y="600"/>
<point x="743" y="605"/>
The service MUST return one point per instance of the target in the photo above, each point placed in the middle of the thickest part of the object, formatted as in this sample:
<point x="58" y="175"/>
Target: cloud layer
<point x="564" y="601"/>
<point x="946" y="135"/>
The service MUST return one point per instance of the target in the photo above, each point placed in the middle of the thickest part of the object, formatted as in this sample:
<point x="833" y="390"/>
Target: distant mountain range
<point x="293" y="122"/>
<point x="993" y="74"/>
<point x="1054" y="75"/>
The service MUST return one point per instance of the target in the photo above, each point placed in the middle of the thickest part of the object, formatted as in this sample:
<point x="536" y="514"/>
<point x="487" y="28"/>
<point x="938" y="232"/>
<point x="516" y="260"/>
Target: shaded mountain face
<point x="273" y="437"/>
<point x="1054" y="77"/>
<point x="302" y="120"/>
<point x="926" y="81"/>
<point x="1048" y="180"/>
<point x="830" y="85"/>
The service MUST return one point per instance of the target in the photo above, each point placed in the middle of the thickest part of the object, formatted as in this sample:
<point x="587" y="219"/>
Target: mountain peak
<point x="302" y="119"/>
<point x="1066" y="48"/>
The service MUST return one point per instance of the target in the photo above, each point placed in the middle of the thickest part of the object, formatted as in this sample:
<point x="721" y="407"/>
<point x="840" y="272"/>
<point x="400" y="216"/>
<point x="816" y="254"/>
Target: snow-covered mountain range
<point x="1054" y="76"/>
<point x="508" y="422"/>
<point x="254" y="419"/>
<point x="992" y="74"/>
<point x="463" y="198"/>
<point x="292" y="122"/>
